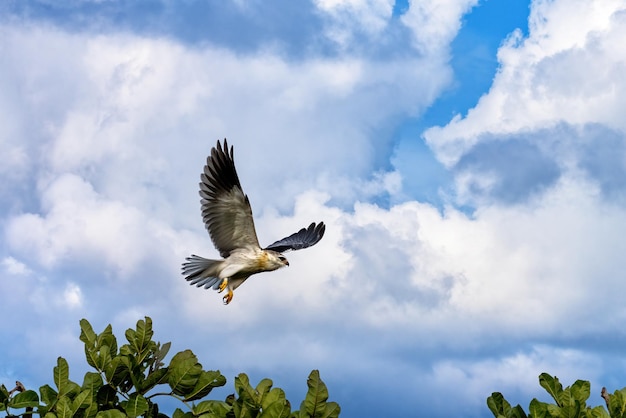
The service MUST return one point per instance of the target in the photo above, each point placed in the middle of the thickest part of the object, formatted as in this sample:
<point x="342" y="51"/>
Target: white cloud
<point x="76" y="219"/>
<point x="120" y="129"/>
<point x="112" y="132"/>
<point x="72" y="296"/>
<point x="350" y="16"/>
<point x="435" y="24"/>
<point x="507" y="268"/>
<point x="123" y="111"/>
<point x="411" y="272"/>
<point x="516" y="373"/>
<point x="15" y="267"/>
<point x="432" y="25"/>
<point x="569" y="69"/>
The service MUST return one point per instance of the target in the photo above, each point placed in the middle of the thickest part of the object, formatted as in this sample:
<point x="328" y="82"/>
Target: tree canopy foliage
<point x="570" y="402"/>
<point x="128" y="379"/>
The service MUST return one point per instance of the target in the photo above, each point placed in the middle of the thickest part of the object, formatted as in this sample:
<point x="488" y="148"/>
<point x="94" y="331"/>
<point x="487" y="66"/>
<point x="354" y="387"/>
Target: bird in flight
<point x="227" y="216"/>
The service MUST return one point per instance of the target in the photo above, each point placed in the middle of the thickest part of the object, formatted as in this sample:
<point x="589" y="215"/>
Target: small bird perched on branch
<point x="227" y="215"/>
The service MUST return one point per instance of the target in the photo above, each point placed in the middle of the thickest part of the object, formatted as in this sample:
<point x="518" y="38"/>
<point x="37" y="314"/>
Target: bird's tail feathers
<point x="201" y="271"/>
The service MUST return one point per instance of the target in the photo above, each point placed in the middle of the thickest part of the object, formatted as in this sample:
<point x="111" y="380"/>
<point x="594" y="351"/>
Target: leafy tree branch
<point x="128" y="380"/>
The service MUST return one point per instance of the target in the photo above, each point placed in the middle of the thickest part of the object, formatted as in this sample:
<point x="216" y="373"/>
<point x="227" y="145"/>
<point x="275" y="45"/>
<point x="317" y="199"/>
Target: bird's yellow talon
<point x="223" y="286"/>
<point x="228" y="297"/>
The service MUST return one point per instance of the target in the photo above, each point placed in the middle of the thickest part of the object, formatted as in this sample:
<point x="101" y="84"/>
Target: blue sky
<point x="468" y="158"/>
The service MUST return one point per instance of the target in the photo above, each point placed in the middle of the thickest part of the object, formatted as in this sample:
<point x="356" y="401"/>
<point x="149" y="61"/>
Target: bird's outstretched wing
<point x="306" y="237"/>
<point x="226" y="209"/>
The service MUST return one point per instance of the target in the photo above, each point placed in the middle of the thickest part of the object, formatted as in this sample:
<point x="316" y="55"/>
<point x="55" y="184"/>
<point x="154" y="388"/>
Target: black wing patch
<point x="306" y="237"/>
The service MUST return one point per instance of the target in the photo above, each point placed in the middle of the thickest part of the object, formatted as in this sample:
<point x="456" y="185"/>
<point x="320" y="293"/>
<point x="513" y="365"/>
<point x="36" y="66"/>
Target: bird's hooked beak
<point x="284" y="260"/>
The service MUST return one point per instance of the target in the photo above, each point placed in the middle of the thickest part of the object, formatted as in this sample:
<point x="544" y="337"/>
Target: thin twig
<point x="606" y="397"/>
<point x="19" y="387"/>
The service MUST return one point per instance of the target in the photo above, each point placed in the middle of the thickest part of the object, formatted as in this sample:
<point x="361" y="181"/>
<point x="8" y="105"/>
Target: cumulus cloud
<point x="78" y="224"/>
<point x="129" y="101"/>
<point x="435" y="24"/>
<point x="490" y="266"/>
<point x="348" y="17"/>
<point x="108" y="134"/>
<point x="427" y="27"/>
<point x="568" y="70"/>
<point x="514" y="375"/>
<point x="14" y="267"/>
<point x="105" y="136"/>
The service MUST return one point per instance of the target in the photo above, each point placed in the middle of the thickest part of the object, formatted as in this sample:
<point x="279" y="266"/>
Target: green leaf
<point x="599" y="412"/>
<point x="570" y="406"/>
<point x="87" y="335"/>
<point x="130" y="337"/>
<point x="91" y="355"/>
<point x="241" y="409"/>
<point x="278" y="409"/>
<point x="50" y="415"/>
<point x="572" y="410"/>
<point x="82" y="400"/>
<point x="217" y="408"/>
<point x="247" y="394"/>
<point x="263" y="388"/>
<point x="616" y="404"/>
<point x="135" y="371"/>
<point x="62" y="376"/>
<point x="315" y="401"/>
<point x="106" y="338"/>
<point x="28" y="398"/>
<point x="566" y="399"/>
<point x="135" y="405"/>
<point x="274" y="395"/>
<point x="92" y="382"/>
<point x="140" y="340"/>
<point x="332" y="410"/>
<point x="125" y="350"/>
<point x="498" y="405"/>
<point x="156" y="377"/>
<point x="103" y="358"/>
<point x="581" y="390"/>
<point x="160" y="354"/>
<point x="111" y="413"/>
<point x="118" y="371"/>
<point x="184" y="371"/>
<point x="554" y="410"/>
<point x="115" y="367"/>
<point x="48" y="395"/>
<point x="4" y="397"/>
<point x="106" y="396"/>
<point x="153" y="411"/>
<point x="206" y="382"/>
<point x="61" y="379"/>
<point x="552" y="386"/>
<point x="178" y="413"/>
<point x="64" y="407"/>
<point x="96" y="345"/>
<point x="91" y="410"/>
<point x="538" y="409"/>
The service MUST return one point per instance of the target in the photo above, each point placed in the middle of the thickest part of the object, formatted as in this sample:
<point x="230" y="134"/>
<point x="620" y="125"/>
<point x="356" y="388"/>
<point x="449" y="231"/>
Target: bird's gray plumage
<point x="226" y="210"/>
<point x="227" y="215"/>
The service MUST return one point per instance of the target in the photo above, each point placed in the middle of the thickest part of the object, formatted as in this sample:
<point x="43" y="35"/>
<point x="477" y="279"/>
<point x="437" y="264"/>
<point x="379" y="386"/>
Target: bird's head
<point x="275" y="260"/>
